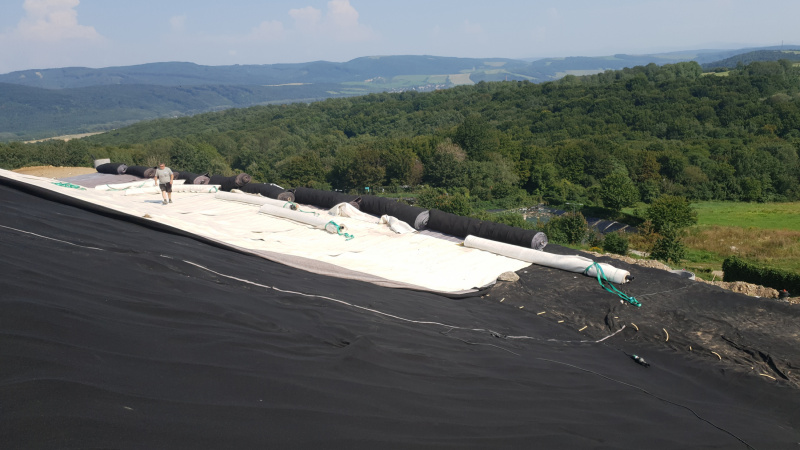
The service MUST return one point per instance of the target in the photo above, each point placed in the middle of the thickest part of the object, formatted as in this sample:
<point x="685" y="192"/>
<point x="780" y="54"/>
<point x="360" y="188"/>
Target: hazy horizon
<point x="43" y="34"/>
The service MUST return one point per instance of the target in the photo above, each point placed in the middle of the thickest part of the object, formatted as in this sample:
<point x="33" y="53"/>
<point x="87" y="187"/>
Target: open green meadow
<point x="765" y="233"/>
<point x="768" y="216"/>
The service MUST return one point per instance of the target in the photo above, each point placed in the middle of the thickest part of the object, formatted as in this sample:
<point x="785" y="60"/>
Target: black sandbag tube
<point x="320" y="198"/>
<point x="229" y="183"/>
<point x="112" y="168"/>
<point x="464" y="226"/>
<point x="379" y="206"/>
<point x="242" y="179"/>
<point x="269" y="190"/>
<point x="453" y="224"/>
<point x="140" y="171"/>
<point x="192" y="178"/>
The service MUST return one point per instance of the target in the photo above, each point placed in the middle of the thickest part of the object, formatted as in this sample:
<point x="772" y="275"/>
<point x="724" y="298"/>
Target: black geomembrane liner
<point x="114" y="334"/>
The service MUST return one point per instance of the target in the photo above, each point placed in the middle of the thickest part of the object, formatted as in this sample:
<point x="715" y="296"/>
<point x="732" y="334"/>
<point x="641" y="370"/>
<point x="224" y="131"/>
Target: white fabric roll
<point x="196" y="188"/>
<point x="124" y="186"/>
<point x="250" y="198"/>
<point x="571" y="263"/>
<point x="142" y="191"/>
<point x="322" y="222"/>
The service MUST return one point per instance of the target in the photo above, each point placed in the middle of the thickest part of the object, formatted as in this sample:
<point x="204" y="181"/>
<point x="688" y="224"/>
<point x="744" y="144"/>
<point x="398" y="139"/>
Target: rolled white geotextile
<point x="141" y="191"/>
<point x="303" y="217"/>
<point x="250" y="198"/>
<point x="571" y="263"/>
<point x="123" y="186"/>
<point x="195" y="188"/>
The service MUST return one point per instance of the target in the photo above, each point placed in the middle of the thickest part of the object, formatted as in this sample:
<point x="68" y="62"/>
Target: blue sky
<point x="39" y="34"/>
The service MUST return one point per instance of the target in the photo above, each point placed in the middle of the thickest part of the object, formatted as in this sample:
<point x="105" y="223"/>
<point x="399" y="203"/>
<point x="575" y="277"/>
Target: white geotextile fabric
<point x="571" y="263"/>
<point x="253" y="199"/>
<point x="130" y="185"/>
<point x="312" y="218"/>
<point x="376" y="252"/>
<point x="348" y="210"/>
<point x="189" y="188"/>
<point x="397" y="225"/>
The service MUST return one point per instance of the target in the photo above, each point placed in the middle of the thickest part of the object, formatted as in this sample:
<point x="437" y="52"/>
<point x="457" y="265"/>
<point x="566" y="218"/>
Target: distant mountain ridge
<point x="747" y="58"/>
<point x="358" y="70"/>
<point x="36" y="104"/>
<point x="190" y="74"/>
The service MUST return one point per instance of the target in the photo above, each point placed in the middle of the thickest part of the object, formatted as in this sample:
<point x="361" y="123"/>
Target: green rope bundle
<point x="339" y="230"/>
<point x="601" y="276"/>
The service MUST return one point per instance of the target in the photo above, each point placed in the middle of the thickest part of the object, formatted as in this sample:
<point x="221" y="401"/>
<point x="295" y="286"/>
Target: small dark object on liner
<point x="640" y="360"/>
<point x="783" y="294"/>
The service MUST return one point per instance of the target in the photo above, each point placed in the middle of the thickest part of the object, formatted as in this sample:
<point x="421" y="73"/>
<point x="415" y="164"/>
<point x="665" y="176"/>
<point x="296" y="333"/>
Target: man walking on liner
<point x="164" y="178"/>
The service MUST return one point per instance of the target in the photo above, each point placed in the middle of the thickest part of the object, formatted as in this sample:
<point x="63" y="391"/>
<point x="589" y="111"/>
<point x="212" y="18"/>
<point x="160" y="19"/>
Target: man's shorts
<point x="166" y="187"/>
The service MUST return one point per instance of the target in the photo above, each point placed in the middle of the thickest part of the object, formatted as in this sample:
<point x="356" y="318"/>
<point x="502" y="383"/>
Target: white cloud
<point x="340" y="22"/>
<point x="553" y="14"/>
<point x="177" y="23"/>
<point x="472" y="28"/>
<point x="306" y="19"/>
<point x="52" y="21"/>
<point x="49" y="35"/>
<point x="268" y="31"/>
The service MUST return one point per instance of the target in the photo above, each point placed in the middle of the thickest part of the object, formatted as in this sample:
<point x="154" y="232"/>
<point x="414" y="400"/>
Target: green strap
<point x="69" y="185"/>
<point x="601" y="276"/>
<point x="339" y="230"/>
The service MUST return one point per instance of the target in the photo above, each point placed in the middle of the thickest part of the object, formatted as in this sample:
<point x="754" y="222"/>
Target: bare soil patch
<point x="55" y="172"/>
<point x="65" y="137"/>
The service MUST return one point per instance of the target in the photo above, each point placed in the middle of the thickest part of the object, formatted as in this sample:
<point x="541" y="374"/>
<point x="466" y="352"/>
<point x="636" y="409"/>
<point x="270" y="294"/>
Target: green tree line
<point x="607" y="139"/>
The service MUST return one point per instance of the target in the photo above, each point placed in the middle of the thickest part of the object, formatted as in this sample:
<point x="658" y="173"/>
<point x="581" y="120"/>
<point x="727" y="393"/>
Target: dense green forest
<point x="608" y="139"/>
<point x="42" y="103"/>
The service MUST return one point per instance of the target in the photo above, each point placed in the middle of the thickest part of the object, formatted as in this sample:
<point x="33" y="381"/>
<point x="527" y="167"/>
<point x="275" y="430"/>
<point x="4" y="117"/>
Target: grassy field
<point x="765" y="233"/>
<point x="768" y="216"/>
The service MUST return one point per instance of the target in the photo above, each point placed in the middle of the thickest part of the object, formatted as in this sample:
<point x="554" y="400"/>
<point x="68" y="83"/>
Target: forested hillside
<point x="606" y="139"/>
<point x="39" y="104"/>
<point x="34" y="113"/>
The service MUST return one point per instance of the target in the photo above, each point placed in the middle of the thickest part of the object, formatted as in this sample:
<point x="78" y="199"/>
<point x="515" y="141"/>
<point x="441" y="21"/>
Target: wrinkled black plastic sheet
<point x="127" y="339"/>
